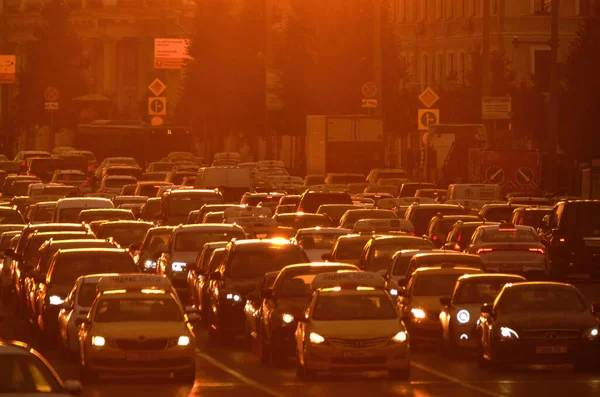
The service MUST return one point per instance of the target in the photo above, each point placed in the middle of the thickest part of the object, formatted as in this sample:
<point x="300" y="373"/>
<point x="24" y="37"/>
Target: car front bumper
<point x="335" y="358"/>
<point x="544" y="352"/>
<point x="114" y="360"/>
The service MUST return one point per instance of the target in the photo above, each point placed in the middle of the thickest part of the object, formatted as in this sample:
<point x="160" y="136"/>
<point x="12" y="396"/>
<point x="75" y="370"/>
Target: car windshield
<point x="67" y="268"/>
<point x="118" y="183"/>
<point x="304" y="221"/>
<point x="86" y="295"/>
<point x="353" y="307"/>
<point x="70" y="215"/>
<point x="249" y="264"/>
<point x="124" y="235"/>
<point x="195" y="240"/>
<point x="214" y="260"/>
<point x="480" y="291"/>
<point x="354" y="216"/>
<point x="499" y="214"/>
<point x="10" y="216"/>
<point x="35" y="242"/>
<point x="509" y="236"/>
<point x="534" y="218"/>
<point x="381" y="255"/>
<point x="42" y="214"/>
<point x="25" y="374"/>
<point x="401" y="265"/>
<point x="542" y="298"/>
<point x="107" y="215"/>
<point x="345" y="179"/>
<point x="435" y="284"/>
<point x="423" y="216"/>
<point x="312" y="202"/>
<point x="137" y="310"/>
<point x="183" y="205"/>
<point x="318" y="241"/>
<point x="582" y="219"/>
<point x="335" y="212"/>
<point x="152" y="242"/>
<point x="350" y="249"/>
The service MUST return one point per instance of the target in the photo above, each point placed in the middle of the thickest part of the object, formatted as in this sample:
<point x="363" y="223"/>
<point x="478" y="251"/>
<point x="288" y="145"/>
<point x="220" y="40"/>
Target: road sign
<point x="428" y="97"/>
<point x="157" y="106"/>
<point x="171" y="48"/>
<point x="274" y="79"/>
<point x="169" y="63"/>
<point x="494" y="174"/>
<point x="369" y="103"/>
<point x="525" y="176"/>
<point x="8" y="78"/>
<point x="8" y="64"/>
<point x="427" y="117"/>
<point x="156" y="121"/>
<point x="157" y="87"/>
<point x="51" y="94"/>
<point x="496" y="108"/>
<point x="274" y="101"/>
<point x="51" y="105"/>
<point x="369" y="89"/>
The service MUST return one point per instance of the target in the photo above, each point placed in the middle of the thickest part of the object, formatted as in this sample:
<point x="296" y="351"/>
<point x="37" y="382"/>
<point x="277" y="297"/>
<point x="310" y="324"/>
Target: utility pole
<point x="270" y="141"/>
<point x="377" y="22"/>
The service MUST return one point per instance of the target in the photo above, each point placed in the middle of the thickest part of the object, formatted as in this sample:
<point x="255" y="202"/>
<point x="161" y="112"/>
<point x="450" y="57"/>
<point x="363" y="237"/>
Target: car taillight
<point x="23" y="164"/>
<point x="85" y="184"/>
<point x="412" y="233"/>
<point x="537" y="250"/>
<point x="562" y="240"/>
<point x="483" y="250"/>
<point x="90" y="167"/>
<point x="435" y="237"/>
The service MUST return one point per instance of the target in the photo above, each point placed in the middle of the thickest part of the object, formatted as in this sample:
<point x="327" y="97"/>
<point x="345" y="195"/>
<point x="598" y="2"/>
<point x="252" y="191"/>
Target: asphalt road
<point x="232" y="371"/>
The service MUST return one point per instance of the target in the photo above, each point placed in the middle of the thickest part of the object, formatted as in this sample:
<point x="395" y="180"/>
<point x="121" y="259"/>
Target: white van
<point x="473" y="195"/>
<point x="67" y="209"/>
<point x="232" y="182"/>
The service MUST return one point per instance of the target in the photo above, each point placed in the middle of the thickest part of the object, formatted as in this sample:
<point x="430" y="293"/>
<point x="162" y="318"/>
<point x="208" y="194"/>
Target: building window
<point x="438" y="9"/>
<point x="423" y="10"/>
<point x="542" y="6"/>
<point x="450" y="71"/>
<point x="460" y="8"/>
<point x="583" y="7"/>
<point x="425" y="70"/>
<point x="494" y="7"/>
<point x="461" y="67"/>
<point x="542" y="63"/>
<point x="449" y="11"/>
<point x="439" y="68"/>
<point x="400" y="10"/>
<point x="470" y="8"/>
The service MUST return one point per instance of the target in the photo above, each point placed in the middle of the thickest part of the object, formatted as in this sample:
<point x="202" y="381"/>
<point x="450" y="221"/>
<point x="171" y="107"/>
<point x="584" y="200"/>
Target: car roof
<point x="444" y="254"/>
<point x="74" y="251"/>
<point x="254" y="241"/>
<point x="300" y="266"/>
<point x="192" y="191"/>
<point x="542" y="284"/>
<point x="215" y="244"/>
<point x="447" y="270"/>
<point x="126" y="222"/>
<point x="497" y="227"/>
<point x="205" y="227"/>
<point x="323" y="230"/>
<point x="489" y="276"/>
<point x="13" y="348"/>
<point x="104" y="210"/>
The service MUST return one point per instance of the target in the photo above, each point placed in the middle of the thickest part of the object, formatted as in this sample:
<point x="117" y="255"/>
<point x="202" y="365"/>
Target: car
<point x="459" y="237"/>
<point x="301" y="220"/>
<point x="497" y="212"/>
<point x="149" y="251"/>
<point x="177" y="204"/>
<point x="398" y="269"/>
<point x="282" y="304"/>
<point x="350" y="324"/>
<point x="253" y="199"/>
<point x="565" y="329"/>
<point x="113" y="184"/>
<point x="35" y="374"/>
<point x="530" y="216"/>
<point x="351" y="216"/>
<point x="419" y="301"/>
<point x="10" y="216"/>
<point x="150" y="187"/>
<point x="68" y="209"/>
<point x="151" y="209"/>
<point x="420" y="214"/>
<point x="75" y="178"/>
<point x="106" y="214"/>
<point x="384" y="226"/>
<point x="185" y="243"/>
<point x="311" y="200"/>
<point x="435" y="258"/>
<point x="206" y="208"/>
<point x="335" y="211"/>
<point x="160" y="166"/>
<point x="198" y="276"/>
<point x="318" y="241"/>
<point x="441" y="225"/>
<point x="348" y="248"/>
<point x="572" y="238"/>
<point x="507" y="248"/>
<point x="253" y="307"/>
<point x="39" y="213"/>
<point x="244" y="263"/>
<point x="462" y="309"/>
<point x="378" y="251"/>
<point x="137" y="324"/>
<point x="66" y="266"/>
<point x="128" y="234"/>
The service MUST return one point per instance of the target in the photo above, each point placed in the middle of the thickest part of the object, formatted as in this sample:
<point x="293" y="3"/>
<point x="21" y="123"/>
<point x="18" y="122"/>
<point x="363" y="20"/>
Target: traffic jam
<point x="120" y="267"/>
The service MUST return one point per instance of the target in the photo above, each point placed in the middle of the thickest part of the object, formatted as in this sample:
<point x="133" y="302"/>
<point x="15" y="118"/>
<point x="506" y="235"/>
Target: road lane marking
<point x="455" y="380"/>
<point x="215" y="384"/>
<point x="239" y="376"/>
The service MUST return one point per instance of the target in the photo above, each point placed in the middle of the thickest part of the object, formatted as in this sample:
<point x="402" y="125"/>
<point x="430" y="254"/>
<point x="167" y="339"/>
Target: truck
<point x="462" y="153"/>
<point x="348" y="144"/>
<point x="145" y="143"/>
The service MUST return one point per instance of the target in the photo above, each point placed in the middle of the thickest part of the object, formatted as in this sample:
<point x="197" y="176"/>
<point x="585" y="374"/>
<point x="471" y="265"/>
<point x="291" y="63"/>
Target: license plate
<point x="551" y="349"/>
<point x="511" y="268"/>
<point x="142" y="356"/>
<point x="357" y="354"/>
<point x="592" y="243"/>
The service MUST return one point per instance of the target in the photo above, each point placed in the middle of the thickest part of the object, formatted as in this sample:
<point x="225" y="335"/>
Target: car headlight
<point x="56" y="300"/>
<point x="316" y="339"/>
<point x="508" y="333"/>
<point x="287" y="318"/>
<point x="418" y="313"/>
<point x="178" y="266"/>
<point x="149" y="264"/>
<point x="233" y="297"/>
<point x="463" y="316"/>
<point x="183" y="341"/>
<point x="591" y="333"/>
<point x="98" y="341"/>
<point x="394" y="292"/>
<point x="401" y="336"/>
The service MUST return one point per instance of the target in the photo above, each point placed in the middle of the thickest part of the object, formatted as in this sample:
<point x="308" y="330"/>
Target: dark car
<point x="300" y="220"/>
<point x="420" y="214"/>
<point x="125" y="233"/>
<point x="177" y="204"/>
<point x="378" y="252"/>
<point x="460" y="236"/>
<point x="441" y="225"/>
<point x="310" y="201"/>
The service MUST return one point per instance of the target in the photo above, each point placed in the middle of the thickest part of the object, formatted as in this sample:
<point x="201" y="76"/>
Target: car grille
<point x="359" y="360"/>
<point x="147" y="344"/>
<point x="119" y="363"/>
<point x="551" y="334"/>
<point x="433" y="314"/>
<point x="358" y="343"/>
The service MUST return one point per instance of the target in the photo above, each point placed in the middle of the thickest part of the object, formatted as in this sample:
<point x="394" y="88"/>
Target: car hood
<point x="243" y="287"/>
<point x="365" y="329"/>
<point x="427" y="302"/>
<point x="294" y="306"/>
<point x="316" y="255"/>
<point x="133" y="330"/>
<point x="550" y="320"/>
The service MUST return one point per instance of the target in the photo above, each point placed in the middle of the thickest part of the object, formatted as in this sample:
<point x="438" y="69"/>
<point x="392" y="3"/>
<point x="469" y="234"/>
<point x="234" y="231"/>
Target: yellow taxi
<point x="137" y="325"/>
<point x="351" y="325"/>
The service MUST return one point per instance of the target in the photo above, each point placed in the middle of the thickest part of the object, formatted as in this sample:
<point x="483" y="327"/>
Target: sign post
<point x="428" y="97"/>
<point x="157" y="87"/>
<point x="369" y="91"/>
<point x="8" y="69"/>
<point x="157" y="106"/>
<point x="171" y="53"/>
<point x="496" y="108"/>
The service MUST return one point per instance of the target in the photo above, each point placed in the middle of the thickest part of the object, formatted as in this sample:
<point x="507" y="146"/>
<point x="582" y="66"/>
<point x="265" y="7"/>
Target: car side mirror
<point x="65" y="305"/>
<point x="545" y="224"/>
<point x="134" y="247"/>
<point x="487" y="308"/>
<point x="595" y="309"/>
<point x="216" y="276"/>
<point x="326" y="257"/>
<point x="402" y="292"/>
<point x="73" y="387"/>
<point x="301" y="319"/>
<point x="267" y="293"/>
<point x="445" y="301"/>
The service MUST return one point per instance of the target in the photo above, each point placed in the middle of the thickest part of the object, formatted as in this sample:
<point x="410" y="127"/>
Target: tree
<point x="54" y="59"/>
<point x="580" y="100"/>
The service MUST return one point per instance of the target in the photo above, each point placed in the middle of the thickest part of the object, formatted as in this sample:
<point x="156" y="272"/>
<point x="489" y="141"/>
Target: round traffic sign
<point x="157" y="106"/>
<point x="369" y="89"/>
<point x="428" y="118"/>
<point x="51" y="94"/>
<point x="494" y="174"/>
<point x="525" y="175"/>
<point x="156" y="121"/>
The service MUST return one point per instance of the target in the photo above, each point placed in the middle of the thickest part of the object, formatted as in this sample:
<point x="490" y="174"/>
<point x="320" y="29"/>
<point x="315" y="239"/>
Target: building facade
<point x="438" y="38"/>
